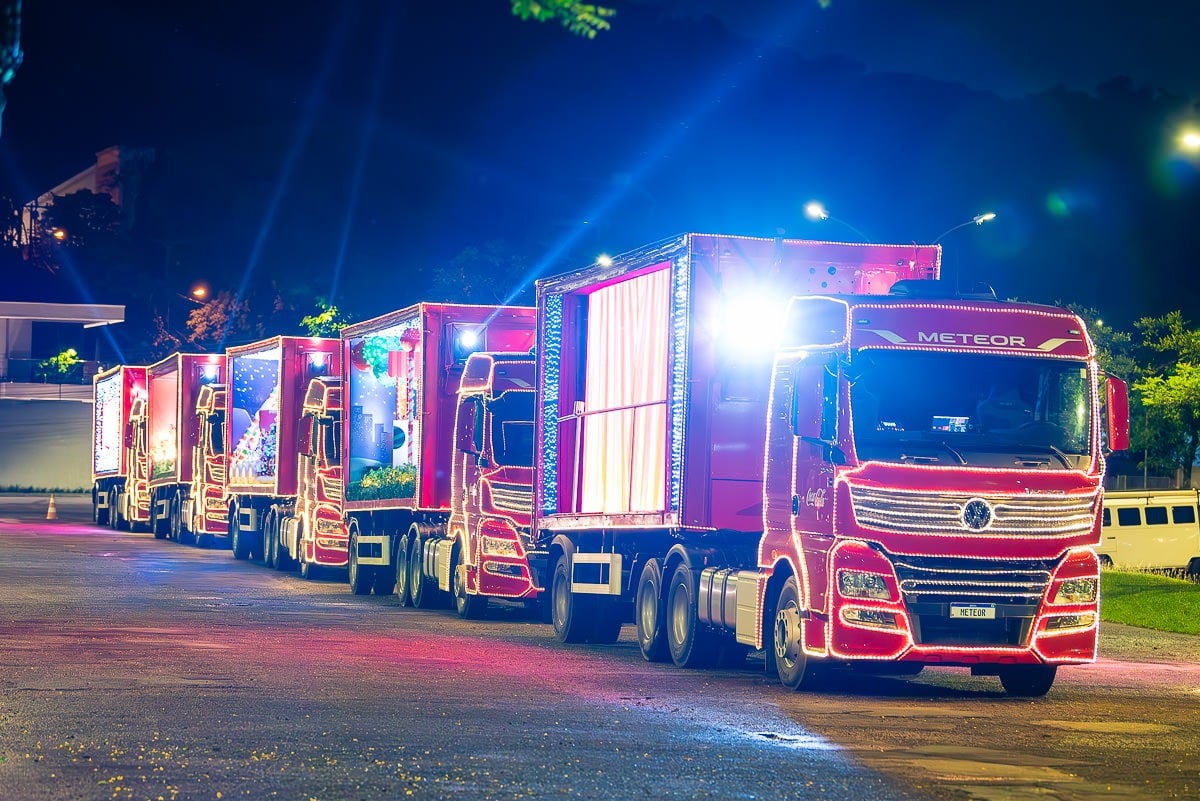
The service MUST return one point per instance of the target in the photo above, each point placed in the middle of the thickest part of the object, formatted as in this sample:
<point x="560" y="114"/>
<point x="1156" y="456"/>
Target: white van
<point x="1156" y="530"/>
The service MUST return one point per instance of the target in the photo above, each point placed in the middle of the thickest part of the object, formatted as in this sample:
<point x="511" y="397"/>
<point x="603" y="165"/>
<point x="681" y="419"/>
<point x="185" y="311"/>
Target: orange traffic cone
<point x="51" y="512"/>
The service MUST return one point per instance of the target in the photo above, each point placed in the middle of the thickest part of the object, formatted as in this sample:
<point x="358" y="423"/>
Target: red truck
<point x="878" y="476"/>
<point x="172" y="440"/>
<point x="120" y="484"/>
<point x="376" y="446"/>
<point x="245" y="474"/>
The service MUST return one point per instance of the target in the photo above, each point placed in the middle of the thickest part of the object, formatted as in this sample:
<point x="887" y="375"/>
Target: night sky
<point x="348" y="149"/>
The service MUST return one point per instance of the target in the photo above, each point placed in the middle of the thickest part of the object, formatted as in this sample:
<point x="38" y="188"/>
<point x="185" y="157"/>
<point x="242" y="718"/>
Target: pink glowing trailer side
<point x="399" y="397"/>
<point x="829" y="478"/>
<point x="114" y="393"/>
<point x="260" y="419"/>
<point x="172" y="436"/>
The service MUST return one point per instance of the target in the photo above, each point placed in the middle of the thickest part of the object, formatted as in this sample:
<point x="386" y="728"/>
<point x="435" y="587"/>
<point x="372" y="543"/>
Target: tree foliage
<point x="493" y="273"/>
<point x="1169" y="388"/>
<point x="327" y="322"/>
<point x="581" y="19"/>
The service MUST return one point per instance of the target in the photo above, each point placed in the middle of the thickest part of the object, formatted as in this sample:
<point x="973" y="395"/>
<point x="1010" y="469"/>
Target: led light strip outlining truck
<point x="120" y="485"/>
<point x="251" y="431"/>
<point x="874" y="475"/>
<point x="380" y="442"/>
<point x="168" y="443"/>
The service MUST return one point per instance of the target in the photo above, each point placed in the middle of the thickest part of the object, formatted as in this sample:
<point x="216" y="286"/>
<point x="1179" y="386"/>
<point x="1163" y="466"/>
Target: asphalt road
<point x="133" y="668"/>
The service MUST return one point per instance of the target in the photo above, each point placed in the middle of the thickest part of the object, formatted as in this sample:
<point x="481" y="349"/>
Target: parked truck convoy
<point x="117" y="478"/>
<point x="808" y="448"/>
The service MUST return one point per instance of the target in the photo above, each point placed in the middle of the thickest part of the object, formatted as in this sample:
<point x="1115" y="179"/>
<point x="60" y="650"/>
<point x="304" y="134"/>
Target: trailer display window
<point x="624" y="422"/>
<point x="913" y="406"/>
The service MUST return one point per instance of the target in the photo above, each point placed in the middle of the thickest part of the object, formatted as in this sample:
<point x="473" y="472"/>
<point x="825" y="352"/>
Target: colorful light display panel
<point x="383" y="408"/>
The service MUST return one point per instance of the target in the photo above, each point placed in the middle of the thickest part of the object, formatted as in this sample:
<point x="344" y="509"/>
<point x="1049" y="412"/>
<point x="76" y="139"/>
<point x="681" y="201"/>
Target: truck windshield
<point x="512" y="428"/>
<point x="920" y="407"/>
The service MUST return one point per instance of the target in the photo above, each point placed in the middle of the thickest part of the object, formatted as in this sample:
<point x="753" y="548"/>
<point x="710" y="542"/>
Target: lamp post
<point x="815" y="210"/>
<point x="978" y="219"/>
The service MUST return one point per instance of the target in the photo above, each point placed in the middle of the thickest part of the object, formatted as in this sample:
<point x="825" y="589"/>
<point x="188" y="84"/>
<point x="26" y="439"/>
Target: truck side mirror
<point x="129" y="439"/>
<point x="1116" y="412"/>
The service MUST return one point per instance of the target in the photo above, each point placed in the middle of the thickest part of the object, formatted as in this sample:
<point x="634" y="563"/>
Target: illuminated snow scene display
<point x="254" y="417"/>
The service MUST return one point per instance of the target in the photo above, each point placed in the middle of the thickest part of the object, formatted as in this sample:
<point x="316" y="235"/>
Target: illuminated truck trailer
<point x="120" y="484"/>
<point x="250" y="428"/>
<point x="877" y="475"/>
<point x="172" y="436"/>
<point x="389" y="427"/>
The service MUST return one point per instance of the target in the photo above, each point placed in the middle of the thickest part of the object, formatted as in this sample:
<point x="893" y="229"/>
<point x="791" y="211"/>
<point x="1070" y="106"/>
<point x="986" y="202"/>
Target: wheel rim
<point x="460" y="585"/>
<point x="680" y="614"/>
<point x="647" y="602"/>
<point x="414" y="572"/>
<point x="787" y="634"/>
<point x="562" y="599"/>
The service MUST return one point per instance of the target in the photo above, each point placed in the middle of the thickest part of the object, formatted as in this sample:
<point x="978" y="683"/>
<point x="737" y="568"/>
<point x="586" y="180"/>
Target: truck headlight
<point x="1076" y="591"/>
<point x="855" y="584"/>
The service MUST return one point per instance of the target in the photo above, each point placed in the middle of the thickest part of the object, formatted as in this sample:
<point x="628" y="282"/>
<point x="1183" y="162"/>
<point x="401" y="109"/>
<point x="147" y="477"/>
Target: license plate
<point x="973" y="611"/>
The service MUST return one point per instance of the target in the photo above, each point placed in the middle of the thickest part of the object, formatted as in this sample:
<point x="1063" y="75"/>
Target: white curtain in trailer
<point x="625" y="396"/>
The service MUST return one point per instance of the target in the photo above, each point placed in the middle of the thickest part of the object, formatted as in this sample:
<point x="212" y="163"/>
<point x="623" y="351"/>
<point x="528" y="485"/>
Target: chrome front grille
<point x="945" y="579"/>
<point x="1013" y="588"/>
<point x="514" y="498"/>
<point x="913" y="512"/>
<point x="332" y="489"/>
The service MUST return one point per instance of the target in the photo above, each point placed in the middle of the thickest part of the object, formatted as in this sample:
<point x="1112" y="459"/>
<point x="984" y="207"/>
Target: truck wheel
<point x="402" y="570"/>
<point x="114" y="515"/>
<point x="650" y="613"/>
<point x="1027" y="681"/>
<point x="179" y="530"/>
<point x="607" y="620"/>
<point x="361" y="576"/>
<point x="238" y="542"/>
<point x="384" y="582"/>
<point x="270" y="548"/>
<point x="284" y="559"/>
<point x="568" y="611"/>
<point x="691" y="644"/>
<point x="468" y="606"/>
<point x="1193" y="568"/>
<point x="309" y="571"/>
<point x="791" y="663"/>
<point x="418" y="591"/>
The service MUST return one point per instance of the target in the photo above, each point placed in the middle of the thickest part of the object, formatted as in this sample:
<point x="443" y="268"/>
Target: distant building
<point x="117" y="173"/>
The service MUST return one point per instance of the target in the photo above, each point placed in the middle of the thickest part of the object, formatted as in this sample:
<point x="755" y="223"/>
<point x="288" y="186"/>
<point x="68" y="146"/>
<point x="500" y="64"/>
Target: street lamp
<point x="815" y="210"/>
<point x="978" y="219"/>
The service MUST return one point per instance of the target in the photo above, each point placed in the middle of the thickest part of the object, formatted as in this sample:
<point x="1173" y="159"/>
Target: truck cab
<point x="491" y="499"/>
<point x="316" y="530"/>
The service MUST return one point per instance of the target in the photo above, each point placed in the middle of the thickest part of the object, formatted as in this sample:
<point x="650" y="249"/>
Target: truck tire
<point x="792" y="665"/>
<point x="362" y="577"/>
<point x="468" y="606"/>
<point x="239" y="543"/>
<point x="402" y="568"/>
<point x="691" y="644"/>
<point x="179" y="530"/>
<point x="568" y="611"/>
<point x="270" y="548"/>
<point x="1027" y="681"/>
<point x="419" y="591"/>
<point x="650" y="614"/>
<point x="284" y="559"/>
<point x="385" y="581"/>
<point x="607" y="620"/>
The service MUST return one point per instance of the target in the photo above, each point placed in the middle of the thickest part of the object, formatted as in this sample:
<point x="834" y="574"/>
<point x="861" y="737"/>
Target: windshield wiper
<point x="1045" y="447"/>
<point x="938" y="444"/>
